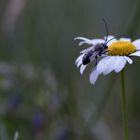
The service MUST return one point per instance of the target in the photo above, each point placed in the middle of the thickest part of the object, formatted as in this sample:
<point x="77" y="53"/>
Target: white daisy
<point x="118" y="53"/>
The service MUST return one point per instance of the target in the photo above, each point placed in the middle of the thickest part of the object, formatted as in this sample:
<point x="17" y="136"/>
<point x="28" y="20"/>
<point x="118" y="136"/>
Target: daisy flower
<point x="114" y="58"/>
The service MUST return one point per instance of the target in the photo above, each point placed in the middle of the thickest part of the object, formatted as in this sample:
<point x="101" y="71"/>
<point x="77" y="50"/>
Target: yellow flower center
<point x="121" y="48"/>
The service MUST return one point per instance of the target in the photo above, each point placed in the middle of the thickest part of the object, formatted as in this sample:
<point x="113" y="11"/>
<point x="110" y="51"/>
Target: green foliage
<point x="42" y="95"/>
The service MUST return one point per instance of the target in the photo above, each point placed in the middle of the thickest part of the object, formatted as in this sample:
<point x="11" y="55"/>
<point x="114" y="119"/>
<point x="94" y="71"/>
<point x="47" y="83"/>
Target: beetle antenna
<point x="106" y="28"/>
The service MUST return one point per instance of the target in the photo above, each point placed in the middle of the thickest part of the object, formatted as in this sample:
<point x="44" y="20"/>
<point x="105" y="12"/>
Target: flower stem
<point x="124" y="108"/>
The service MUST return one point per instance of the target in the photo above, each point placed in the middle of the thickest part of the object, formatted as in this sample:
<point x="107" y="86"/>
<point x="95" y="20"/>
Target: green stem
<point x="124" y="108"/>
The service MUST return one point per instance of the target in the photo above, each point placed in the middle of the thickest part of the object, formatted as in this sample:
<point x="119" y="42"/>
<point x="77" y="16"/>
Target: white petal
<point x="119" y="64"/>
<point x="136" y="43"/>
<point x="81" y="38"/>
<point x="82" y="68"/>
<point x="79" y="58"/>
<point x="110" y="65"/>
<point x="137" y="53"/>
<point x="130" y="61"/>
<point x="93" y="76"/>
<point x="78" y="61"/>
<point x="84" y="40"/>
<point x="96" y="41"/>
<point x="103" y="64"/>
<point x="89" y="41"/>
<point x="125" y="39"/>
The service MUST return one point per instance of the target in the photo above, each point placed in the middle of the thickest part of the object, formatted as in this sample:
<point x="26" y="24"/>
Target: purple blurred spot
<point x="37" y="120"/>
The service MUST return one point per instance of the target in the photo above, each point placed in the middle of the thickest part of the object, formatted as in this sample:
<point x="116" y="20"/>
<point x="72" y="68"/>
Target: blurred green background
<point x="42" y="94"/>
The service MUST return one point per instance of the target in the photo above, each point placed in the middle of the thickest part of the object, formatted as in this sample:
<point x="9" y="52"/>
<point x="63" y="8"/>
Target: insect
<point x="95" y="51"/>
